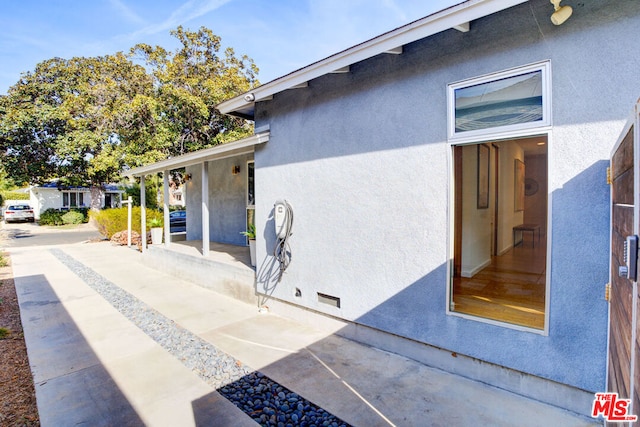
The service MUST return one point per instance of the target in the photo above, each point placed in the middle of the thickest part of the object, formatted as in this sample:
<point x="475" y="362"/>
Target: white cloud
<point x="397" y="10"/>
<point x="189" y="11"/>
<point x="126" y="12"/>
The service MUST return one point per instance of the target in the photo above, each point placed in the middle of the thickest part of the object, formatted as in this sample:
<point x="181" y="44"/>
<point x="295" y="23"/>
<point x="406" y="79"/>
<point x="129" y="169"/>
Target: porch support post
<point x="205" y="209"/>
<point x="166" y="221"/>
<point x="143" y="215"/>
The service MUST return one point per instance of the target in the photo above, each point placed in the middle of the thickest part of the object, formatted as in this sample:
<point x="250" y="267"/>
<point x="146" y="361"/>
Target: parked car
<point x="177" y="221"/>
<point x="14" y="213"/>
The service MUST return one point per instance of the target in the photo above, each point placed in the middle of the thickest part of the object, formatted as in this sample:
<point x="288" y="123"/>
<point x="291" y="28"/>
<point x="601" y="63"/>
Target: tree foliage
<point x="189" y="83"/>
<point x="85" y="119"/>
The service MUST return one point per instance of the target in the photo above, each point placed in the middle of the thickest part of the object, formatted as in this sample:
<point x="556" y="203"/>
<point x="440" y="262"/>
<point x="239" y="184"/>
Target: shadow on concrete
<point x="72" y="386"/>
<point x="214" y="410"/>
<point x="414" y="322"/>
<point x="17" y="233"/>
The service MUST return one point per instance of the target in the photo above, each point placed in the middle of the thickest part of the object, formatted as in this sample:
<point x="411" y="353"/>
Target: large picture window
<point x="506" y="101"/>
<point x="72" y="199"/>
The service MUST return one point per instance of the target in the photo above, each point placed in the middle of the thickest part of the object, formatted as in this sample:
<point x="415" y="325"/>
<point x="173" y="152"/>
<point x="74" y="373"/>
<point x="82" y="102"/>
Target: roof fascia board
<point x="455" y="16"/>
<point x="223" y="151"/>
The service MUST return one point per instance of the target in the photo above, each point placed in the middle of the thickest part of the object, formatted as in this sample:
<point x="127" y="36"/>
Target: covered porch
<point x="218" y="191"/>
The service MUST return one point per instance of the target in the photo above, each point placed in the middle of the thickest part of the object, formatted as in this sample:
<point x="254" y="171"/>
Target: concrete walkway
<point x="93" y="366"/>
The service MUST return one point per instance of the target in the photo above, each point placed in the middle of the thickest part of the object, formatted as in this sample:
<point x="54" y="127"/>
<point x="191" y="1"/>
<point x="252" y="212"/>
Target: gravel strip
<point x="267" y="402"/>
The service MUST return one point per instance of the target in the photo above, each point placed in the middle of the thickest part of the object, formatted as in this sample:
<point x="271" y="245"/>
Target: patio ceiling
<point x="230" y="149"/>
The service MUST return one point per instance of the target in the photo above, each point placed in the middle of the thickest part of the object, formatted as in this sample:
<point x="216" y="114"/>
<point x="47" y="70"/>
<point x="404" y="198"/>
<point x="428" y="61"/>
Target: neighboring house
<point x="55" y="196"/>
<point x="176" y="194"/>
<point x="448" y="180"/>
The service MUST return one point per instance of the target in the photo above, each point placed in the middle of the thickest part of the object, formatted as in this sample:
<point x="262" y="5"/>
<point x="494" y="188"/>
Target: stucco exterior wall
<point x="227" y="201"/>
<point x="43" y="199"/>
<point x="363" y="159"/>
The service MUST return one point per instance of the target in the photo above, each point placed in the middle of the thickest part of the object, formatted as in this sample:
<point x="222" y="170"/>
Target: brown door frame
<point x="496" y="197"/>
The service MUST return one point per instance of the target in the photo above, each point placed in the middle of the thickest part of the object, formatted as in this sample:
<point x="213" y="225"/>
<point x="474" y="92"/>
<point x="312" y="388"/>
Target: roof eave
<point x="236" y="148"/>
<point x="453" y="17"/>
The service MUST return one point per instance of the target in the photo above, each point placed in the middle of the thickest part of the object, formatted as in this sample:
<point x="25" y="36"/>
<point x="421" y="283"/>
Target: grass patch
<point x="3" y="261"/>
<point x="4" y="332"/>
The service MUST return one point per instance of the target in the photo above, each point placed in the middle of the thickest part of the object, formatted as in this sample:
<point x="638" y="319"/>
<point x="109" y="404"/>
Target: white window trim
<point x="77" y="193"/>
<point x="549" y="237"/>
<point x="501" y="132"/>
<point x="543" y="127"/>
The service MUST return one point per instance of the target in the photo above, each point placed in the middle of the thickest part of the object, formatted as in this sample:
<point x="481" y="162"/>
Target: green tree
<point x="63" y="119"/>
<point x="150" y="194"/>
<point x="30" y="122"/>
<point x="85" y="119"/>
<point x="190" y="82"/>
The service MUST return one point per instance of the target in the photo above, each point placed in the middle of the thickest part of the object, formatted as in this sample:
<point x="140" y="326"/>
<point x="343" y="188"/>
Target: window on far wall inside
<point x="506" y="101"/>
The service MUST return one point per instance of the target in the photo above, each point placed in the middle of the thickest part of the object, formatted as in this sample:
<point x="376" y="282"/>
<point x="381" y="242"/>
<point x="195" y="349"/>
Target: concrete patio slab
<point x="95" y="354"/>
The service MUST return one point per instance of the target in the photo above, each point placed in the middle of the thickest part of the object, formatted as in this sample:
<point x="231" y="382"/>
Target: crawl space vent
<point x="329" y="300"/>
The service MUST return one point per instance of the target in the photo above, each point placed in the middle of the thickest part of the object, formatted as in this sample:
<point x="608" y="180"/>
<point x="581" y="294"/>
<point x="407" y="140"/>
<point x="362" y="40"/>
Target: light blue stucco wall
<point x="227" y="201"/>
<point x="364" y="160"/>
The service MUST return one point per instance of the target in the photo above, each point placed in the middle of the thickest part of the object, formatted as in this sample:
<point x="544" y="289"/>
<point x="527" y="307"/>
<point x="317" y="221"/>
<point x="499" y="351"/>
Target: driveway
<point x="19" y="235"/>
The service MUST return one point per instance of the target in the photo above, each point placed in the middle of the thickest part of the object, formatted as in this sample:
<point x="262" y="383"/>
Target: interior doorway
<point x="500" y="236"/>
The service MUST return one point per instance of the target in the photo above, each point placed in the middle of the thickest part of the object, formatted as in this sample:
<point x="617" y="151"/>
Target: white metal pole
<point x="143" y="215"/>
<point x="129" y="203"/>
<point x="205" y="208"/>
<point x="167" y="221"/>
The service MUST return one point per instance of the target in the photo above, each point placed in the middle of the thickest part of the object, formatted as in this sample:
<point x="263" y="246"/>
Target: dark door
<point x="624" y="347"/>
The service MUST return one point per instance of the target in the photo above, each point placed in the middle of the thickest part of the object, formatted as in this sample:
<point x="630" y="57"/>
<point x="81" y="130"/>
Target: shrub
<point x="15" y="195"/>
<point x="57" y="217"/>
<point x="150" y="191"/>
<point x="155" y="222"/>
<point x="84" y="212"/>
<point x="73" y="217"/>
<point x="111" y="221"/>
<point x="51" y="217"/>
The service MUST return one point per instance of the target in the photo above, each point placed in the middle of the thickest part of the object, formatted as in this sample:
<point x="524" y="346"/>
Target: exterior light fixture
<point x="561" y="14"/>
<point x="235" y="170"/>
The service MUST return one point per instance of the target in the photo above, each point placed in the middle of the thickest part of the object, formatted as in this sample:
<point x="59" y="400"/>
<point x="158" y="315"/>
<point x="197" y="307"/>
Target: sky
<point x="281" y="36"/>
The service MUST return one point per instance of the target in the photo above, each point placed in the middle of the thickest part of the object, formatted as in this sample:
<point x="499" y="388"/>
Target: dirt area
<point x="17" y="394"/>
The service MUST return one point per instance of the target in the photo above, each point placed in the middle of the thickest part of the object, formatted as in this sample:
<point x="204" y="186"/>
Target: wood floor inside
<point x="512" y="289"/>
